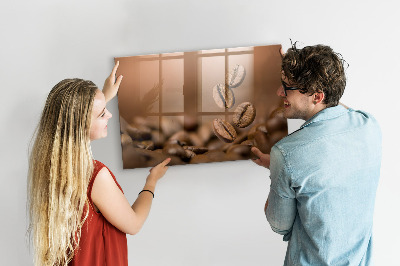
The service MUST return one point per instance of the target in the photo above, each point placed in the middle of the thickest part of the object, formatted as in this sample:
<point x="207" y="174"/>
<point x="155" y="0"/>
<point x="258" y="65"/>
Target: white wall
<point x="206" y="214"/>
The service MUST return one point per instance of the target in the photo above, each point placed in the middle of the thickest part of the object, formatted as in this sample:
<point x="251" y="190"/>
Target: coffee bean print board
<point x="199" y="106"/>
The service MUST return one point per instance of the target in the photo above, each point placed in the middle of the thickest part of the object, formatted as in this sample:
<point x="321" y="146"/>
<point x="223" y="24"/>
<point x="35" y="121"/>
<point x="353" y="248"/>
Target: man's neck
<point x="318" y="108"/>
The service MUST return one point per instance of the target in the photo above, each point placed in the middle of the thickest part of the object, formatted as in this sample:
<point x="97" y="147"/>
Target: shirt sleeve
<point x="281" y="210"/>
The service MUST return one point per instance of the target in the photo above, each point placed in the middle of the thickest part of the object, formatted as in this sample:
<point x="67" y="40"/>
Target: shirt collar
<point x="326" y="114"/>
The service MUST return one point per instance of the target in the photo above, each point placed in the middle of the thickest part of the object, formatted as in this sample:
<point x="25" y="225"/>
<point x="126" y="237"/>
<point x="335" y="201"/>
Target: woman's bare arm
<point x="114" y="206"/>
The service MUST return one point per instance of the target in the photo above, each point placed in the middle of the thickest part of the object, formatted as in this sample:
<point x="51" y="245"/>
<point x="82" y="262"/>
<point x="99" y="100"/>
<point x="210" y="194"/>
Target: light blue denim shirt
<point x="323" y="183"/>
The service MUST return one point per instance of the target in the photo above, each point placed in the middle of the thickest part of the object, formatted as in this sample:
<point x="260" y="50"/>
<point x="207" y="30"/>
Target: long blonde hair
<point x="60" y="167"/>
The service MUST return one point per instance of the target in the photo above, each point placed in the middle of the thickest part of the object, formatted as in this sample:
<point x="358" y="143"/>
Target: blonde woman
<point x="78" y="212"/>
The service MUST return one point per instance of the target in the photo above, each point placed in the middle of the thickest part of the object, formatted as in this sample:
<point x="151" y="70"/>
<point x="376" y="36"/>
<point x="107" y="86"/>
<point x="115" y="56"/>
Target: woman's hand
<point x="158" y="171"/>
<point x="111" y="86"/>
<point x="263" y="159"/>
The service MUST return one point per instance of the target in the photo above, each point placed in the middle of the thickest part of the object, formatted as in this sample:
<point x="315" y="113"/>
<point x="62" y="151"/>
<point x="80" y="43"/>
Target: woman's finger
<point x="114" y="71"/>
<point x="166" y="161"/>
<point x="119" y="80"/>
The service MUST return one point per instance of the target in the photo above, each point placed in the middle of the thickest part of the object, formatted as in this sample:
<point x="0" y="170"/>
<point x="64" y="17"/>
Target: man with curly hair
<point x="324" y="175"/>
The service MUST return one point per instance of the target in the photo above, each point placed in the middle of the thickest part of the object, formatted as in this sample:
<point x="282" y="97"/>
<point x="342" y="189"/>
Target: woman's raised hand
<point x="158" y="171"/>
<point x="111" y="86"/>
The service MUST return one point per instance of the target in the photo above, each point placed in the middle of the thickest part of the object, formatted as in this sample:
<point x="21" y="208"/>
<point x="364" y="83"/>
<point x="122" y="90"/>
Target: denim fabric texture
<point x="324" y="178"/>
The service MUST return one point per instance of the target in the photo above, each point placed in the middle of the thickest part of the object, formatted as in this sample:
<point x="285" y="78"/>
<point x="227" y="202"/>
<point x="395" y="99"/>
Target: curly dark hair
<point x="316" y="69"/>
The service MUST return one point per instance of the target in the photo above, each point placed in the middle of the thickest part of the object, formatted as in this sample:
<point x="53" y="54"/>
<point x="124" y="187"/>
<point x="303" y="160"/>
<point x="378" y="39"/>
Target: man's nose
<point x="280" y="92"/>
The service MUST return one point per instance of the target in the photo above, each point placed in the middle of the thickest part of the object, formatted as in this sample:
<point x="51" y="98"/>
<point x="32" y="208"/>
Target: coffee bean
<point x="262" y="142"/>
<point x="248" y="142"/>
<point x="196" y="149"/>
<point x="123" y="125"/>
<point x="236" y="76"/>
<point x="276" y="136"/>
<point x="158" y="138"/>
<point x="215" y="144"/>
<point x="215" y="156"/>
<point x="189" y="154"/>
<point x="241" y="137"/>
<point x="125" y="139"/>
<point x="131" y="158"/>
<point x="174" y="149"/>
<point x="258" y="127"/>
<point x="182" y="136"/>
<point x="244" y="115"/>
<point x="195" y="139"/>
<point x="276" y="124"/>
<point x="223" y="130"/>
<point x="169" y="127"/>
<point x="145" y="144"/>
<point x="138" y="132"/>
<point x="174" y="141"/>
<point x="239" y="149"/>
<point x="226" y="146"/>
<point x="223" y="96"/>
<point x="278" y="112"/>
<point x="200" y="159"/>
<point x="174" y="161"/>
<point x="143" y="121"/>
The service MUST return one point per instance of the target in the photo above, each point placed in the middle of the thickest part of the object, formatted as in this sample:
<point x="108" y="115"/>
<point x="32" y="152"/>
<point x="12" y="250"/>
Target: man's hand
<point x="263" y="159"/>
<point x="111" y="86"/>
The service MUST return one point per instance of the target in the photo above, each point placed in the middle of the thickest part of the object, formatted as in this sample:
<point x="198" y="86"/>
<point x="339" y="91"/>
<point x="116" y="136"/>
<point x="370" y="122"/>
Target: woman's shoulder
<point x="102" y="169"/>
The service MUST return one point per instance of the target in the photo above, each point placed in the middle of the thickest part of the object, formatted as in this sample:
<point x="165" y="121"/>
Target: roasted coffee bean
<point x="262" y="142"/>
<point x="189" y="154"/>
<point x="276" y="124"/>
<point x="244" y="115"/>
<point x="158" y="138"/>
<point x="223" y="130"/>
<point x="174" y="149"/>
<point x="125" y="139"/>
<point x="258" y="127"/>
<point x="138" y="132"/>
<point x="215" y="156"/>
<point x="200" y="159"/>
<point x="236" y="76"/>
<point x="174" y="141"/>
<point x="123" y="125"/>
<point x="170" y="127"/>
<point x="239" y="149"/>
<point x="278" y="112"/>
<point x="131" y="158"/>
<point x="196" y="149"/>
<point x="174" y="161"/>
<point x="248" y="142"/>
<point x="182" y="136"/>
<point x="276" y="136"/>
<point x="223" y="96"/>
<point x="195" y="140"/>
<point x="150" y="123"/>
<point x="226" y="146"/>
<point x="145" y="144"/>
<point x="215" y="144"/>
<point x="240" y="137"/>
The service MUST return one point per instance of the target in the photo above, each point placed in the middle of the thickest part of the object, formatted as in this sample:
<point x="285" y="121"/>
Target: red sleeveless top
<point x="101" y="243"/>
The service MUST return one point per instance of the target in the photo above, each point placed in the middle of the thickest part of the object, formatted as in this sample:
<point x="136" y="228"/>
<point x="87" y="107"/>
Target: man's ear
<point x="318" y="97"/>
